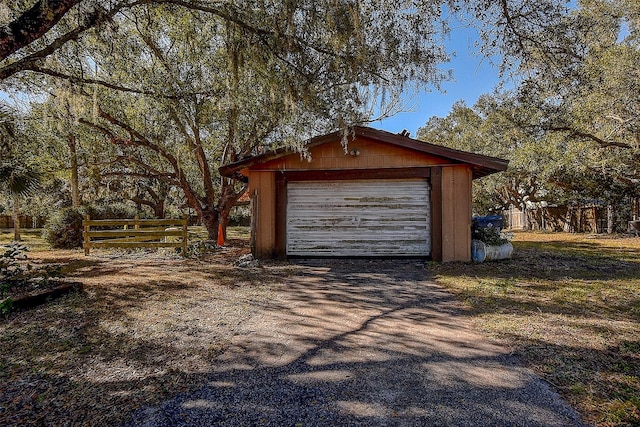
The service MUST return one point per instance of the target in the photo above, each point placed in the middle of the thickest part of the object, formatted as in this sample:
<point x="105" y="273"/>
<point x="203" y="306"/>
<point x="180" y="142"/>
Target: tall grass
<point x="569" y="306"/>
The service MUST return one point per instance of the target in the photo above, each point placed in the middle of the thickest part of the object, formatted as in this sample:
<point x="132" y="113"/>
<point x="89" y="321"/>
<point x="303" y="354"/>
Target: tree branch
<point x="150" y="172"/>
<point x="92" y="20"/>
<point x="32" y="24"/>
<point x="30" y="62"/>
<point x="82" y="80"/>
<point x="587" y="135"/>
<point x="139" y="140"/>
<point x="167" y="177"/>
<point x="142" y="201"/>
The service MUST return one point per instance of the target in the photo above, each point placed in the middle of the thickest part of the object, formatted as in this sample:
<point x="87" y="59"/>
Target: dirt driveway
<point x="367" y="343"/>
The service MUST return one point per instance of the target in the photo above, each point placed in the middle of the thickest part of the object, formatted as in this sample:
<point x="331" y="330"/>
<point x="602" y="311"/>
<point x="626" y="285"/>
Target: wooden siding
<point x="449" y="199"/>
<point x="456" y="213"/>
<point x="436" y="213"/>
<point x="372" y="155"/>
<point x="358" y="218"/>
<point x="481" y="165"/>
<point x="262" y="188"/>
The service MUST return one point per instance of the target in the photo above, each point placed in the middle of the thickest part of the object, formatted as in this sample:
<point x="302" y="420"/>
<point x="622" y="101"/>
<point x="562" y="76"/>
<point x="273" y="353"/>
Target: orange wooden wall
<point x="456" y="213"/>
<point x="371" y="155"/>
<point x="262" y="188"/>
<point x="455" y="190"/>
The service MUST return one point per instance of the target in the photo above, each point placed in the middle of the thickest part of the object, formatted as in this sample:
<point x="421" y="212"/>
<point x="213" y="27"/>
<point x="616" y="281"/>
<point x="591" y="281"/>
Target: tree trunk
<point x="579" y="221"/>
<point x="611" y="219"/>
<point x="160" y="198"/>
<point x="567" y="220"/>
<point x="224" y="221"/>
<point x="158" y="209"/>
<point x="16" y="219"/>
<point x="32" y="24"/>
<point x="75" y="193"/>
<point x="210" y="221"/>
<point x="227" y="202"/>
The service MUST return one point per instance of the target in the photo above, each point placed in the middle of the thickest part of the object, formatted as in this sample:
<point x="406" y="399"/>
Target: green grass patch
<point x="31" y="237"/>
<point x="569" y="306"/>
<point x="197" y="233"/>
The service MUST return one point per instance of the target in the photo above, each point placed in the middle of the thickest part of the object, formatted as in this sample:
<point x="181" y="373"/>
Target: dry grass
<point x="147" y="326"/>
<point x="569" y="306"/>
<point x="32" y="237"/>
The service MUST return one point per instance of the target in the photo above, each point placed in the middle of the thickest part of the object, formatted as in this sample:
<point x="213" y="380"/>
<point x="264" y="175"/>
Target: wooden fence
<point x="6" y="221"/>
<point x="135" y="233"/>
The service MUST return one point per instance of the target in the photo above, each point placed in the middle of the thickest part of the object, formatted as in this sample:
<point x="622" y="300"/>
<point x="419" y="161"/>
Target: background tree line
<point x="570" y="125"/>
<point x="141" y="101"/>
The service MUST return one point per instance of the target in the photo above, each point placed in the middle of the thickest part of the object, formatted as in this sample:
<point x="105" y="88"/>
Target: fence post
<point x="185" y="234"/>
<point x="87" y="240"/>
<point x="136" y="222"/>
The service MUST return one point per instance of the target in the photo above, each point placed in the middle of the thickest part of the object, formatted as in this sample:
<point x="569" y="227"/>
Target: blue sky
<point x="473" y="75"/>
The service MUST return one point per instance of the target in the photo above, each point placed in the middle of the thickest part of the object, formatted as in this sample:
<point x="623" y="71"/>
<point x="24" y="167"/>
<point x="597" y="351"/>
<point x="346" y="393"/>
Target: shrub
<point x="111" y="211"/>
<point x="63" y="230"/>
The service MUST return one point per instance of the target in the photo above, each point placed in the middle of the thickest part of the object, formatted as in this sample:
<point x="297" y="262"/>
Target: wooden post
<point x="87" y="240"/>
<point x="254" y="222"/>
<point x="436" y="213"/>
<point x="185" y="234"/>
<point x="136" y="223"/>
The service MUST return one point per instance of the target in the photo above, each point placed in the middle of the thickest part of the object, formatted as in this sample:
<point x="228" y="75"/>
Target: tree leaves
<point x="17" y="179"/>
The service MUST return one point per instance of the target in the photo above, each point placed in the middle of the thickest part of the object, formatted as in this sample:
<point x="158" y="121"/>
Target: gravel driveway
<point x="371" y="343"/>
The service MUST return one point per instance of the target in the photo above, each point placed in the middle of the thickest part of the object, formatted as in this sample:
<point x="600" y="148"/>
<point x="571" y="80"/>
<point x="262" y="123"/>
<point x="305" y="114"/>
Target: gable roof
<point x="482" y="165"/>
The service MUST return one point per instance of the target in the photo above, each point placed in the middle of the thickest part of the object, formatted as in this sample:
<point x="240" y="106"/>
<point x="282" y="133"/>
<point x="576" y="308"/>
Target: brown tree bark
<point x="611" y="219"/>
<point x="16" y="219"/>
<point x="32" y="24"/>
<point x="73" y="155"/>
<point x="210" y="221"/>
<point x="157" y="198"/>
<point x="214" y="205"/>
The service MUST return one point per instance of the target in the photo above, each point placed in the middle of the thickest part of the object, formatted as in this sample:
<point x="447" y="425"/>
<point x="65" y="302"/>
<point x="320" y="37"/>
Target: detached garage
<point x="384" y="195"/>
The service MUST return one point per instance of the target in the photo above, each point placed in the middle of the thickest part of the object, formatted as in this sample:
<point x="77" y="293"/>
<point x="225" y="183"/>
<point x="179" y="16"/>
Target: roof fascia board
<point x="485" y="162"/>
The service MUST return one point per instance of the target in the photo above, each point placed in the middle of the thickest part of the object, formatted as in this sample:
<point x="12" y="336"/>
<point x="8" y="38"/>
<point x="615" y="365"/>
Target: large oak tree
<point x="194" y="84"/>
<point x="192" y="89"/>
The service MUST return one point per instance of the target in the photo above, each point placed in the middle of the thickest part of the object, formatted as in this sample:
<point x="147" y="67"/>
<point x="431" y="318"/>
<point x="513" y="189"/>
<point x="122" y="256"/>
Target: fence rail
<point x="135" y="233"/>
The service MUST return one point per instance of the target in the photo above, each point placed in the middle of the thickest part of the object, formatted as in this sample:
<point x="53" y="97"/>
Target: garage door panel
<point x="358" y="218"/>
<point x="349" y="250"/>
<point x="311" y="223"/>
<point x="391" y="238"/>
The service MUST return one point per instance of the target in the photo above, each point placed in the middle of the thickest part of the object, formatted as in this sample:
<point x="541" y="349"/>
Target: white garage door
<point x="358" y="218"/>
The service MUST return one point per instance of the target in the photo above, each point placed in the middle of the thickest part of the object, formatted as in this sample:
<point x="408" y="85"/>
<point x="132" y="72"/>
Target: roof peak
<point x="482" y="165"/>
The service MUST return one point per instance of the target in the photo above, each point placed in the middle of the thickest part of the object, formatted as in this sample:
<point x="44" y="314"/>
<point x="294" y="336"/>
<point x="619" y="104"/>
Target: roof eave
<point x="482" y="165"/>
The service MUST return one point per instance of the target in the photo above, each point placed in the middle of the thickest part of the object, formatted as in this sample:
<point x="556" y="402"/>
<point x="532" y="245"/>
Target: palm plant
<point x="16" y="179"/>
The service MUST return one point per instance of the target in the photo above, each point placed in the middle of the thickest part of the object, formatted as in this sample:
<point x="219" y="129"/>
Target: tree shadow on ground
<point x="323" y="343"/>
<point x="363" y="343"/>
<point x="89" y="358"/>
<point x="570" y="310"/>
